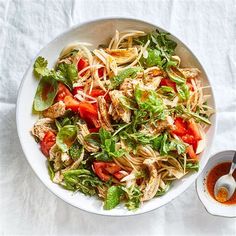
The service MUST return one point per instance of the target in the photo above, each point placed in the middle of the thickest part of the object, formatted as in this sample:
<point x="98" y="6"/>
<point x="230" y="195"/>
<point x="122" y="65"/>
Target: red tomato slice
<point x="81" y="65"/>
<point x="112" y="168"/>
<point x="96" y="93"/>
<point x="194" y="130"/>
<point x="101" y="71"/>
<point x="168" y="82"/>
<point x="99" y="168"/>
<point x="191" y="152"/>
<point x="119" y="175"/>
<point x="180" y="127"/>
<point x="188" y="138"/>
<point x="63" y="91"/>
<point x="87" y="109"/>
<point x="71" y="103"/>
<point x="48" y="141"/>
<point x="94" y="130"/>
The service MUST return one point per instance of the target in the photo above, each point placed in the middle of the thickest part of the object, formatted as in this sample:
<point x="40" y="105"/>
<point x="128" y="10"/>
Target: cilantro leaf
<point x="40" y="67"/>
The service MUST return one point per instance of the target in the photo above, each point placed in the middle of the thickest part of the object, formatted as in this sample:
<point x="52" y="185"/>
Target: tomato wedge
<point x="101" y="72"/>
<point x="76" y="89"/>
<point x="71" y="103"/>
<point x="106" y="170"/>
<point x="191" y="152"/>
<point x="48" y="141"/>
<point x="63" y="91"/>
<point x="194" y="130"/>
<point x="86" y="109"/>
<point x="99" y="169"/>
<point x="188" y="138"/>
<point x="82" y="63"/>
<point x="180" y="127"/>
<point x="168" y="82"/>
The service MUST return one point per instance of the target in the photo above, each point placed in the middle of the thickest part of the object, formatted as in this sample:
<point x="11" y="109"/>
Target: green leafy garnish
<point x="75" y="151"/>
<point x="192" y="166"/>
<point x="40" y="67"/>
<point x="127" y="73"/>
<point x="134" y="195"/>
<point x="51" y="171"/>
<point x="66" y="137"/>
<point x="45" y="94"/>
<point x="183" y="91"/>
<point x="82" y="180"/>
<point x="175" y="75"/>
<point x="114" y="194"/>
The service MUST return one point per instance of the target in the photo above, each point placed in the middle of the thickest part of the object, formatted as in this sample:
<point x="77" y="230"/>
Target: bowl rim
<point x="200" y="182"/>
<point x="71" y="29"/>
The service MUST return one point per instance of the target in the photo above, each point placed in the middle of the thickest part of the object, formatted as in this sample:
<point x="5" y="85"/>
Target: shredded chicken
<point x="191" y="73"/>
<point x="121" y="112"/>
<point x="82" y="133"/>
<point x="103" y="115"/>
<point x="42" y="126"/>
<point x="56" y="110"/>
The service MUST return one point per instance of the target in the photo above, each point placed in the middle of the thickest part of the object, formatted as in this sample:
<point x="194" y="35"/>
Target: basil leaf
<point x="40" y="67"/>
<point x="66" y="137"/>
<point x="127" y="73"/>
<point x="175" y="75"/>
<point x="183" y="91"/>
<point x="45" y="94"/>
<point x="113" y="197"/>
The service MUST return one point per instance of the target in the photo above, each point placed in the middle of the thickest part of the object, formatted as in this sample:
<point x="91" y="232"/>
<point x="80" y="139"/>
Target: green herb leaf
<point x="177" y="145"/>
<point x="183" y="91"/>
<point x="40" y="67"/>
<point x="113" y="197"/>
<point x="192" y="166"/>
<point x="75" y="151"/>
<point x="66" y="137"/>
<point x="127" y="73"/>
<point x="51" y="171"/>
<point x="134" y="195"/>
<point x="45" y="94"/>
<point x="175" y="75"/>
<point x="154" y="58"/>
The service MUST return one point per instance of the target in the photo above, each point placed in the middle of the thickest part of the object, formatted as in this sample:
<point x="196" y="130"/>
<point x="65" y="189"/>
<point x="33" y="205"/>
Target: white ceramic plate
<point x="95" y="32"/>
<point x="211" y="205"/>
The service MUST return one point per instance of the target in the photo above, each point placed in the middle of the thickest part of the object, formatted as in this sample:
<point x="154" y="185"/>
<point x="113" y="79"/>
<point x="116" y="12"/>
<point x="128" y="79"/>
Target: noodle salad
<point x="122" y="121"/>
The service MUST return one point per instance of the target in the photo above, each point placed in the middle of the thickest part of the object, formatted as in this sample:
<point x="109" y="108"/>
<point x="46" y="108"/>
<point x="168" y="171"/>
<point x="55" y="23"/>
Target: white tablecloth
<point x="26" y="206"/>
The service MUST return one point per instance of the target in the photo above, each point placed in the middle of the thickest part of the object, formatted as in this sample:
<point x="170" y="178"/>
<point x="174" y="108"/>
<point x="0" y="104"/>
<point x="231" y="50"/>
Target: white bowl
<point x="211" y="205"/>
<point x="96" y="32"/>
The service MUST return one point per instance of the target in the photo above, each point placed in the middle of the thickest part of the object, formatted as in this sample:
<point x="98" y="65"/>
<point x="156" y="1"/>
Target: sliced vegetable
<point x="191" y="152"/>
<point x="83" y="63"/>
<point x="66" y="137"/>
<point x="193" y="129"/>
<point x="48" y="141"/>
<point x="71" y="103"/>
<point x="63" y="91"/>
<point x="45" y="94"/>
<point x="180" y="127"/>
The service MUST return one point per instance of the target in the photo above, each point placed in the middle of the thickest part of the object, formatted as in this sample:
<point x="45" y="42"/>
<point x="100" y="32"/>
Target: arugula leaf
<point x="40" y="67"/>
<point x="114" y="194"/>
<point x="164" y="149"/>
<point x="167" y="91"/>
<point x="134" y="195"/>
<point x="183" y="91"/>
<point x="108" y="147"/>
<point x="81" y="179"/>
<point x="192" y="166"/>
<point x="154" y="58"/>
<point x="149" y="101"/>
<point x="45" y="94"/>
<point x="66" y="137"/>
<point x="122" y="75"/>
<point x="177" y="145"/>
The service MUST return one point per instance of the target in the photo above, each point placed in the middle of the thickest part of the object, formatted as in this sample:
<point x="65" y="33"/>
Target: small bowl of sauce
<point x="217" y="166"/>
<point x="214" y="174"/>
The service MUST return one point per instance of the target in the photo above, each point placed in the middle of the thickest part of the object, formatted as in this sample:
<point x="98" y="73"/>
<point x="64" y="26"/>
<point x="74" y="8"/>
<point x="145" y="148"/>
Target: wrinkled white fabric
<point x="26" y="206"/>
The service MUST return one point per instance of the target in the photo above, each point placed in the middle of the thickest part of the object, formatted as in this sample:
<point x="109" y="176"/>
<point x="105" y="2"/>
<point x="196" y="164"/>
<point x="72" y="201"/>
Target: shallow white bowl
<point x="211" y="205"/>
<point x="96" y="32"/>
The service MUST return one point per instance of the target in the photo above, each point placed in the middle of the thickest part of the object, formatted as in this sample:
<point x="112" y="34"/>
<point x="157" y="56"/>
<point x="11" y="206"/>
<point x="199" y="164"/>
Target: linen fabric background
<point x="26" y="206"/>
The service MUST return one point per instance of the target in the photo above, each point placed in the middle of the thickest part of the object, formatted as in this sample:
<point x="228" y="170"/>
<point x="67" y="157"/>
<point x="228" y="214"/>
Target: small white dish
<point x="98" y="32"/>
<point x="211" y="205"/>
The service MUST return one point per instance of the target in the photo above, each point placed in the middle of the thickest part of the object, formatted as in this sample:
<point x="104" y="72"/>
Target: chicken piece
<point x="152" y="77"/>
<point x="153" y="182"/>
<point x="82" y="133"/>
<point x="42" y="126"/>
<point x="191" y="73"/>
<point x="55" y="156"/>
<point x="129" y="84"/>
<point x="123" y="56"/>
<point x="56" y="110"/>
<point x="103" y="115"/>
<point x="121" y="111"/>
